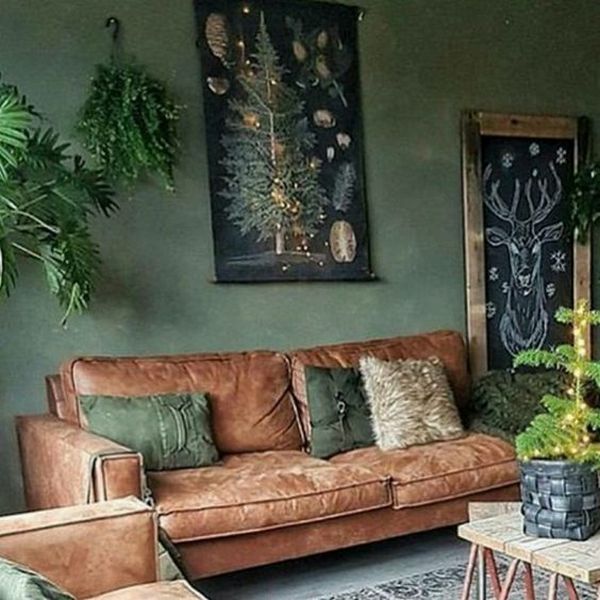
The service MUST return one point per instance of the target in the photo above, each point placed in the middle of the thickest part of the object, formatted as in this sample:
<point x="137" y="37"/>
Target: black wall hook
<point x="115" y="24"/>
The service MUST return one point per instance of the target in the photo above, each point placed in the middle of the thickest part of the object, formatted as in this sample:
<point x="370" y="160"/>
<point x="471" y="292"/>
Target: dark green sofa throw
<point x="19" y="583"/>
<point x="171" y="431"/>
<point x="339" y="414"/>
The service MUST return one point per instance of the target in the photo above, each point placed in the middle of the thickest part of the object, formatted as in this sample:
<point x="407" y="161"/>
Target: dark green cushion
<point x="340" y="419"/>
<point x="19" y="583"/>
<point x="503" y="403"/>
<point x="171" y="431"/>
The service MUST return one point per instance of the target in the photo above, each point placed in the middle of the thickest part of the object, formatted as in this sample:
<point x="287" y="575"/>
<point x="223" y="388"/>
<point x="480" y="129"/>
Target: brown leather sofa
<point x="268" y="500"/>
<point x="104" y="551"/>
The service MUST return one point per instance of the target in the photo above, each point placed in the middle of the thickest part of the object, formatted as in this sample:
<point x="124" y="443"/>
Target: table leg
<point x="571" y="589"/>
<point x="553" y="586"/>
<point x="529" y="585"/>
<point x="492" y="571"/>
<point x="510" y="579"/>
<point x="466" y="593"/>
<point x="481" y="579"/>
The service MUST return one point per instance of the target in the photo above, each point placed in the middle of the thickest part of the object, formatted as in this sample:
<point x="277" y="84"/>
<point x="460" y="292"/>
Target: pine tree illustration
<point x="272" y="184"/>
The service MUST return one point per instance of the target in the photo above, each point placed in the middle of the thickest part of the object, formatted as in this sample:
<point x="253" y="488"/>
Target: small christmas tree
<point x="272" y="183"/>
<point x="563" y="432"/>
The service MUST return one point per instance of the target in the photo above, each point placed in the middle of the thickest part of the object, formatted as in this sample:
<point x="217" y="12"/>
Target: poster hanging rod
<point x="361" y="12"/>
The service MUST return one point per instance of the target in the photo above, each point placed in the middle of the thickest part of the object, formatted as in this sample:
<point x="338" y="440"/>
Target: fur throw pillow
<point x="411" y="402"/>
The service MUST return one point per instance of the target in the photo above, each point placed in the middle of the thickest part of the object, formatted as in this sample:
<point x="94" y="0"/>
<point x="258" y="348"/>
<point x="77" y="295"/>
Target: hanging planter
<point x="129" y="122"/>
<point x="558" y="456"/>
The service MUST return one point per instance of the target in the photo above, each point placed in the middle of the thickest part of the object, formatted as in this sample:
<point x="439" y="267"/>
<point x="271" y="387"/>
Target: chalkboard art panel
<point x="284" y="136"/>
<point x="528" y="250"/>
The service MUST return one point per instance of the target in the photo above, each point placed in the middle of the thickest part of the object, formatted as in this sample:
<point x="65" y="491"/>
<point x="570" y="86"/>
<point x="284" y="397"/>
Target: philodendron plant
<point x="47" y="196"/>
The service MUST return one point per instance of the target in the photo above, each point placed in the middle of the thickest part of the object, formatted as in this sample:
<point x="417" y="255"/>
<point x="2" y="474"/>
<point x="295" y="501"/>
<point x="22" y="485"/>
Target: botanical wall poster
<point x="283" y="126"/>
<point x="521" y="260"/>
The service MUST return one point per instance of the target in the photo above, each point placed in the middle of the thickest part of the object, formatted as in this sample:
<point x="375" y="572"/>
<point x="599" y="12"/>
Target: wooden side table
<point x="484" y="557"/>
<point x="566" y="560"/>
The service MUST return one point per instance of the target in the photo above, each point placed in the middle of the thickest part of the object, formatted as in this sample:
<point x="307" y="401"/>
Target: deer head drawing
<point x="524" y="323"/>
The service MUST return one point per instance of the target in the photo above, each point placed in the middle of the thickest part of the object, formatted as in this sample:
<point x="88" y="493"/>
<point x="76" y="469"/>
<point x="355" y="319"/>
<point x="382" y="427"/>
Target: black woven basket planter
<point x="561" y="499"/>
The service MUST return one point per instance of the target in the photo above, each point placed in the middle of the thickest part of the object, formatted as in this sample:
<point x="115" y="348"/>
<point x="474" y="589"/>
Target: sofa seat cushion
<point x="258" y="491"/>
<point x="163" y="590"/>
<point x="441" y="470"/>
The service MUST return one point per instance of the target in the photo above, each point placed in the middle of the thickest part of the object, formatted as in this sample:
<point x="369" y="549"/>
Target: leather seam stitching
<point x="388" y="503"/>
<point x="385" y="483"/>
<point x="400" y="506"/>
<point x="395" y="482"/>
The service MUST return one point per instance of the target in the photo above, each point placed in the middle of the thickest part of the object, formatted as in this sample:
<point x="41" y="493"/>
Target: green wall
<point x="422" y="63"/>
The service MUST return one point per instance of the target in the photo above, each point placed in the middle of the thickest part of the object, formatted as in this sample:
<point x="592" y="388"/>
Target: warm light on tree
<point x="563" y="432"/>
<point x="272" y="182"/>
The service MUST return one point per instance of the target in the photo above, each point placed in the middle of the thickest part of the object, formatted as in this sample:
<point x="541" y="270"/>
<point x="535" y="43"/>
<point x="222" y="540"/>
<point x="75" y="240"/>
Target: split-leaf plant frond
<point x="47" y="196"/>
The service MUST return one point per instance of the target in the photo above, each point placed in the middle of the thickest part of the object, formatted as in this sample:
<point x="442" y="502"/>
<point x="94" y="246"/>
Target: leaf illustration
<point x="343" y="191"/>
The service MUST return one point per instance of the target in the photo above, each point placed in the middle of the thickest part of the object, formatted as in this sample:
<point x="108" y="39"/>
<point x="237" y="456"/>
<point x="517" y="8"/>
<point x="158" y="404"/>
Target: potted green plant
<point x="46" y="198"/>
<point x="129" y="121"/>
<point x="583" y="200"/>
<point x="557" y="453"/>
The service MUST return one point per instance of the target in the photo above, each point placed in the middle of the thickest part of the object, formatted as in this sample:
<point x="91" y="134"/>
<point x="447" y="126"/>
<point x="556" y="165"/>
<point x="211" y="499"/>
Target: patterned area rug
<point x="446" y="584"/>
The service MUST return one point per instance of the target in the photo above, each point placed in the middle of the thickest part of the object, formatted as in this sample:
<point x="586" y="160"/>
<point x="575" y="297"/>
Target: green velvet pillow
<point x="19" y="583"/>
<point x="171" y="431"/>
<point x="340" y="418"/>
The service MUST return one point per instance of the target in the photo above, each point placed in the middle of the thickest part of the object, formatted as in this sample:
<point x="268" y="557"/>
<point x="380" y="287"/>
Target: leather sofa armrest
<point x="87" y="550"/>
<point x="63" y="465"/>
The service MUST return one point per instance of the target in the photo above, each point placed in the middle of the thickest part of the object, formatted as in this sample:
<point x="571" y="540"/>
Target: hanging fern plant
<point x="129" y="122"/>
<point x="583" y="198"/>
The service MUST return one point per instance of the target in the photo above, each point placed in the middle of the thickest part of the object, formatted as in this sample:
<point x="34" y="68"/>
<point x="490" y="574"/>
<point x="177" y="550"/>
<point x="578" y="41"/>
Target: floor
<point x="341" y="571"/>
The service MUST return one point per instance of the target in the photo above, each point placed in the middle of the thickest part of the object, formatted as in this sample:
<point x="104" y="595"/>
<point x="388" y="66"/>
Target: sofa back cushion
<point x="251" y="401"/>
<point x="448" y="346"/>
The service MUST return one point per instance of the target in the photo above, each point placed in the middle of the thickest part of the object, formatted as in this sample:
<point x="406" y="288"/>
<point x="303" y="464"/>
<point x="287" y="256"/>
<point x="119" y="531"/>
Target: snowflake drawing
<point x="507" y="160"/>
<point x="493" y="274"/>
<point x="505" y="287"/>
<point x="561" y="156"/>
<point x="490" y="310"/>
<point x="534" y="149"/>
<point x="558" y="261"/>
<point x="550" y="290"/>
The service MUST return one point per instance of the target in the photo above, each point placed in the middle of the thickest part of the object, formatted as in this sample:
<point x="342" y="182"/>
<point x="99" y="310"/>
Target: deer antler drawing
<point x="495" y="202"/>
<point x="524" y="323"/>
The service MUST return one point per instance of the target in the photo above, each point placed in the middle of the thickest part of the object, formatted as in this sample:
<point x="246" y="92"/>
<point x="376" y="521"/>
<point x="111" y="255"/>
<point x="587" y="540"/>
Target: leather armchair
<point x="102" y="551"/>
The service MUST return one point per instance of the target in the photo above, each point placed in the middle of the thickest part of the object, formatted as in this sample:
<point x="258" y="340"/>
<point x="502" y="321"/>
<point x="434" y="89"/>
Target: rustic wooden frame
<point x="476" y="124"/>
